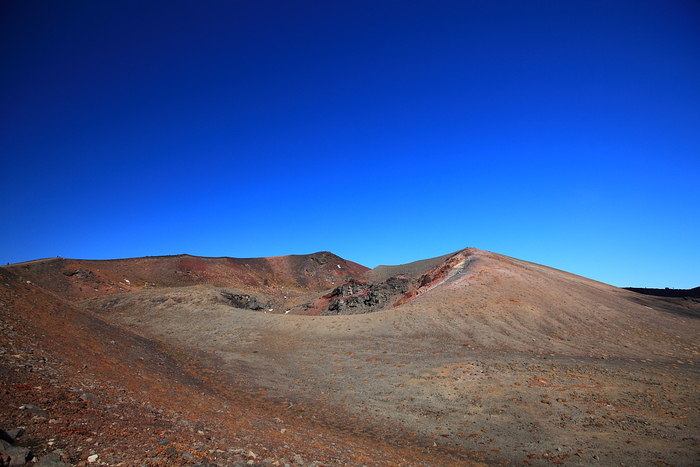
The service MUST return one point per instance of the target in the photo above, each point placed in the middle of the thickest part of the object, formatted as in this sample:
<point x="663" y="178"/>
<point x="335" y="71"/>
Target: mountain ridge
<point x="79" y="279"/>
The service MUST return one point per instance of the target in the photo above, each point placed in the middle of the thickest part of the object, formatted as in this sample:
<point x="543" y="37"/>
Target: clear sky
<point x="566" y="133"/>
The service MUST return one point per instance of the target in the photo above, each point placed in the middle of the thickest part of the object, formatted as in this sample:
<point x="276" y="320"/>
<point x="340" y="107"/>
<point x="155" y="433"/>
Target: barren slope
<point x="487" y="357"/>
<point x="76" y="279"/>
<point x="86" y="386"/>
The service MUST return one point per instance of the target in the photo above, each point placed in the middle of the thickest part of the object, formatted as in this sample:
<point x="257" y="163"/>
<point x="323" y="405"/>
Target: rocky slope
<point x="80" y="390"/>
<point x="468" y="358"/>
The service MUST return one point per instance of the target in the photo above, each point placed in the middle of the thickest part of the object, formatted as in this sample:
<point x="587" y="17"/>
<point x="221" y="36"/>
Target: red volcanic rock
<point x="436" y="275"/>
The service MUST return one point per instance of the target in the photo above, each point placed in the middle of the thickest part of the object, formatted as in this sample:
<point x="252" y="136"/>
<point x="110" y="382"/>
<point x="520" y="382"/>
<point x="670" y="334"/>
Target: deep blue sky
<point x="561" y="132"/>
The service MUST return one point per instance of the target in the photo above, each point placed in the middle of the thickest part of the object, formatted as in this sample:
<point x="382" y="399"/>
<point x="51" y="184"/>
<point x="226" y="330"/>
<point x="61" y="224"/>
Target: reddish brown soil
<point x="81" y="279"/>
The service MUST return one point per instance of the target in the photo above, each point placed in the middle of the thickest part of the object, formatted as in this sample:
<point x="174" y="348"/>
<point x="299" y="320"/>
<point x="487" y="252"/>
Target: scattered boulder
<point x="16" y="456"/>
<point x="80" y="273"/>
<point x="11" y="435"/>
<point x="87" y="397"/>
<point x="51" y="460"/>
<point x="244" y="302"/>
<point x="35" y="410"/>
<point x="171" y="452"/>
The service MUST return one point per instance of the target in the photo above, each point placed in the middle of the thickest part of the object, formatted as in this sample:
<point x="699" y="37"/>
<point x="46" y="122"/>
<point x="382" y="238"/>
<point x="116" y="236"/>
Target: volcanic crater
<point x="471" y="358"/>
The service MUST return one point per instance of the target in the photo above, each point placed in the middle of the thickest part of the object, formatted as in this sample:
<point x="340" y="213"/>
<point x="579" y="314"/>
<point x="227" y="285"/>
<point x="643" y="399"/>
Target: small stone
<point x="92" y="459"/>
<point x="14" y="434"/>
<point x="19" y="455"/>
<point x="40" y="413"/>
<point x="87" y="397"/>
<point x="51" y="460"/>
<point x="188" y="456"/>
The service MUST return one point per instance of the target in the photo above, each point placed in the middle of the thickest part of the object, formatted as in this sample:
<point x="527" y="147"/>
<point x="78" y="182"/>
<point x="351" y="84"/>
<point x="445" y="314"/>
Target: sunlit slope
<point x="479" y="343"/>
<point x="471" y="298"/>
<point x="494" y="301"/>
<point x="80" y="279"/>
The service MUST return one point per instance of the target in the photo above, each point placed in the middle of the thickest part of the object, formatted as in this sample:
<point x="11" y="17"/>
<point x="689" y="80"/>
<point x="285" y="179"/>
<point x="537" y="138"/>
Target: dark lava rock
<point x="51" y="460"/>
<point x="16" y="456"/>
<point x="35" y="410"/>
<point x="11" y="436"/>
<point x="86" y="396"/>
<point x="356" y="297"/>
<point x="243" y="301"/>
<point x="81" y="274"/>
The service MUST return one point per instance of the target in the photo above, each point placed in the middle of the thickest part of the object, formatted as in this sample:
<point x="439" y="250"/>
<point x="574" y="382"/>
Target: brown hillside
<point x="80" y="385"/>
<point x="470" y="357"/>
<point x="76" y="279"/>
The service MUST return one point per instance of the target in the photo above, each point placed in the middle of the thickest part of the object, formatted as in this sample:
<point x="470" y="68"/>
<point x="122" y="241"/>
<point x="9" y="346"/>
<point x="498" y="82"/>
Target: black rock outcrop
<point x="357" y="296"/>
